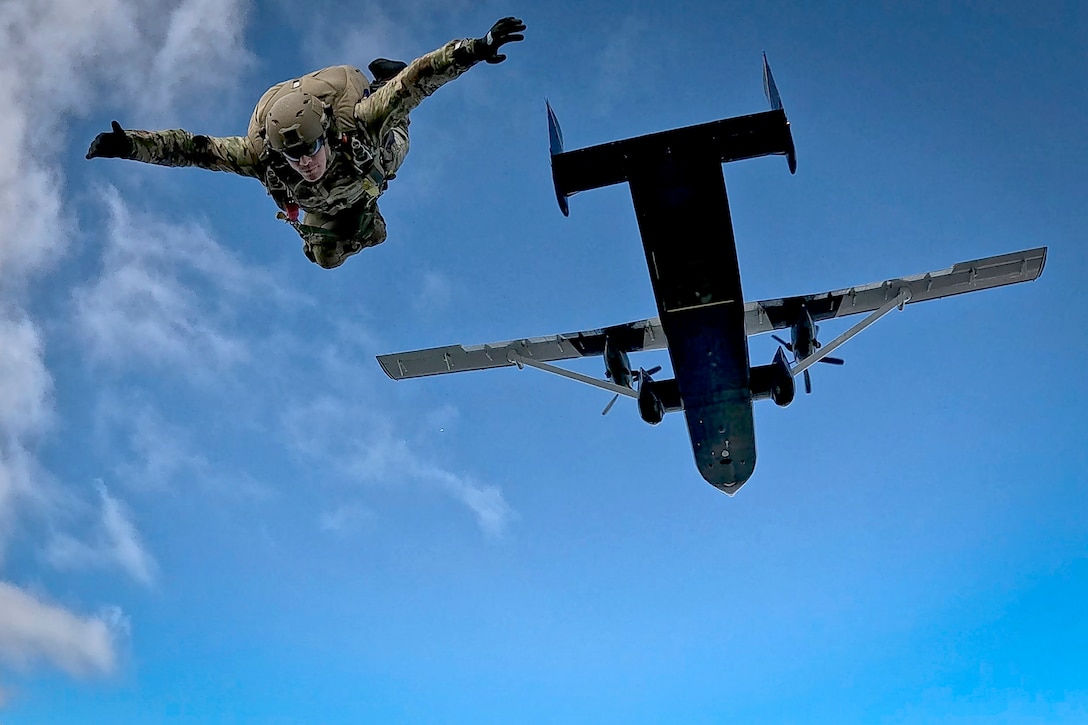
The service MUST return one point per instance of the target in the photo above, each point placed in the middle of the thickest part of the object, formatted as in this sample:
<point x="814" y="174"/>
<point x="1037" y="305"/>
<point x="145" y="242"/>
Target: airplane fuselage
<point x="683" y="215"/>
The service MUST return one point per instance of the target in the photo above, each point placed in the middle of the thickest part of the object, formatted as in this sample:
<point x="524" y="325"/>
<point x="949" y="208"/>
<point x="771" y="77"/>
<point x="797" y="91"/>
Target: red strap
<point x="292" y="211"/>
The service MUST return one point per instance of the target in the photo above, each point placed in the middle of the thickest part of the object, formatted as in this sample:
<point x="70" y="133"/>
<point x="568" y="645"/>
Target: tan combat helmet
<point x="295" y="123"/>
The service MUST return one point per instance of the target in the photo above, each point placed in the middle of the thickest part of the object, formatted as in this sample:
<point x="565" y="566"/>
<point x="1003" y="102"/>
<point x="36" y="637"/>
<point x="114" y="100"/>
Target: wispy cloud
<point x="114" y="543"/>
<point x="493" y="514"/>
<point x="357" y="43"/>
<point x="435" y="295"/>
<point x="59" y="56"/>
<point x="344" y="519"/>
<point x="374" y="28"/>
<point x="34" y="632"/>
<point x="141" y="306"/>
<point x="25" y="383"/>
<point x="202" y="38"/>
<point x="620" y="64"/>
<point x="59" y="59"/>
<point x="152" y="454"/>
<point x="167" y="295"/>
<point x="362" y="444"/>
<point x="442" y="418"/>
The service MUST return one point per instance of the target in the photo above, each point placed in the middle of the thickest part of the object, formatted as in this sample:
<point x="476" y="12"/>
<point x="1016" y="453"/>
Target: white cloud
<point x="203" y="50"/>
<point x="115" y="544"/>
<point x="154" y="299"/>
<point x="345" y="519"/>
<point x="362" y="444"/>
<point x="621" y="64"/>
<point x="357" y="44"/>
<point x="160" y="452"/>
<point x="442" y="418"/>
<point x="57" y="58"/>
<point x="493" y="514"/>
<point x="17" y="468"/>
<point x="153" y="454"/>
<point x="25" y="412"/>
<point x="435" y="295"/>
<point x="382" y="29"/>
<point x="33" y="632"/>
<point x="25" y="384"/>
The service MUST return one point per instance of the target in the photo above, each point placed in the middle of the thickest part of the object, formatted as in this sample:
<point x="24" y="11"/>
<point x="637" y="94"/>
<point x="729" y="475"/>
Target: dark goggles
<point x="295" y="153"/>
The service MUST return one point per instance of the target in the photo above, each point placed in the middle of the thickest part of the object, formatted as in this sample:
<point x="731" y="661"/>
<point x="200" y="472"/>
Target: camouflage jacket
<point x="344" y="185"/>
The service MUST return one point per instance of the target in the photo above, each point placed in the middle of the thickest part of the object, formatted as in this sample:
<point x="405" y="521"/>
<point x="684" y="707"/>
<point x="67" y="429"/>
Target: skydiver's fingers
<point x="95" y="149"/>
<point x="511" y="24"/>
<point x="110" y="145"/>
<point x="503" y="31"/>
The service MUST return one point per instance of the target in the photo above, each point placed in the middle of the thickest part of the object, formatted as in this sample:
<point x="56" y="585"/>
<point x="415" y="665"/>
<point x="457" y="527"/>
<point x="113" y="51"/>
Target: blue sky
<point x="214" y="506"/>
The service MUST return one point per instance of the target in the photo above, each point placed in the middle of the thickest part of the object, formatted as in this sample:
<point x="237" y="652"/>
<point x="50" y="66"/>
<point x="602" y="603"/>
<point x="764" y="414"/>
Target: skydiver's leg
<point x="336" y="238"/>
<point x="372" y="230"/>
<point x="323" y="240"/>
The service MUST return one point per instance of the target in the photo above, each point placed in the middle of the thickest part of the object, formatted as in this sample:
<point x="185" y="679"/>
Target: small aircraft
<point x="678" y="190"/>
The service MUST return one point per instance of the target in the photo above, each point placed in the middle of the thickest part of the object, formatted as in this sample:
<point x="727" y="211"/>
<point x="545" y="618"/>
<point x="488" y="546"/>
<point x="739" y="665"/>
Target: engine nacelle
<point x="774" y="381"/>
<point x="650" y="406"/>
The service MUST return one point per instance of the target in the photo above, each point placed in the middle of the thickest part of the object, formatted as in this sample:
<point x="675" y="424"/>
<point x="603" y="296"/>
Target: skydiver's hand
<point x="111" y="145"/>
<point x="507" y="30"/>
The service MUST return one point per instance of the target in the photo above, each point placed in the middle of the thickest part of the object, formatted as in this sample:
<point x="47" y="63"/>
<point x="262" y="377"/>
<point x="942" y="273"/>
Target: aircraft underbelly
<point x="682" y="208"/>
<point x="712" y="374"/>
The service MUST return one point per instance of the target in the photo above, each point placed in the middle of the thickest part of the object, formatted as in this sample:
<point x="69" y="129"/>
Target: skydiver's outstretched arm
<point x="391" y="104"/>
<point x="178" y="148"/>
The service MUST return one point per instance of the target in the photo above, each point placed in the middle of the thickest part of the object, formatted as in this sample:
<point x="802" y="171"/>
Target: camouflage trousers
<point x="329" y="240"/>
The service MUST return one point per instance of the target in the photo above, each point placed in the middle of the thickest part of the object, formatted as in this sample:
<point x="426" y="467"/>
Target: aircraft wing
<point x="759" y="317"/>
<point x="640" y="335"/>
<point x="978" y="274"/>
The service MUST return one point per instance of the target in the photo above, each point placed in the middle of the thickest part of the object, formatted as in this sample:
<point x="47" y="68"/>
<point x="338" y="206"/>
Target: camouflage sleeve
<point x="391" y="103"/>
<point x="181" y="148"/>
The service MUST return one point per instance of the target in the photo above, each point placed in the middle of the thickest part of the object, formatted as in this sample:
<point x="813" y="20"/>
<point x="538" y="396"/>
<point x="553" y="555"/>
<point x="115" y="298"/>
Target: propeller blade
<point x="783" y="343"/>
<point x="808" y="382"/>
<point x="610" y="404"/>
<point x="642" y="374"/>
<point x="832" y="360"/>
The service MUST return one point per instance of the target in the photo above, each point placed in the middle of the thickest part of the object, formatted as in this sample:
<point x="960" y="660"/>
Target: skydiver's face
<point x="312" y="167"/>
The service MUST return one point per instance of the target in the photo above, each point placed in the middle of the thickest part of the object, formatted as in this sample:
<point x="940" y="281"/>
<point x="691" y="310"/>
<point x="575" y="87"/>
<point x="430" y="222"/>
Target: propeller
<point x="815" y="344"/>
<point x="640" y="375"/>
<point x="610" y="404"/>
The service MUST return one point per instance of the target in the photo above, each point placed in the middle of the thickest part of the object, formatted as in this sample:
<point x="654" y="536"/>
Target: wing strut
<point x="898" y="301"/>
<point x="520" y="361"/>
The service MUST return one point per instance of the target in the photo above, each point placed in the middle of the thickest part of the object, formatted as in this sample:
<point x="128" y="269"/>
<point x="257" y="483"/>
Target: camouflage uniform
<point x="342" y="215"/>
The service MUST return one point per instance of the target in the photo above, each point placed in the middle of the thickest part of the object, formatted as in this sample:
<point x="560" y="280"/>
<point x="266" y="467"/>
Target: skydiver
<point x="326" y="143"/>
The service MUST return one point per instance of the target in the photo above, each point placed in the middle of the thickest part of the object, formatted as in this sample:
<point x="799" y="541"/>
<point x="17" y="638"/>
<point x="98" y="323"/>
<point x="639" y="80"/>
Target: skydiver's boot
<point x="384" y="70"/>
<point x="372" y="230"/>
